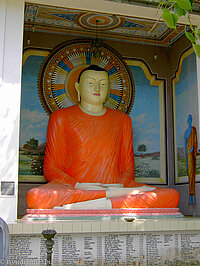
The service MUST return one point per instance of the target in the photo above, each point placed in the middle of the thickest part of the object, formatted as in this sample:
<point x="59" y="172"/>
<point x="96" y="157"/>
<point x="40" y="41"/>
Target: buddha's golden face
<point x="93" y="87"/>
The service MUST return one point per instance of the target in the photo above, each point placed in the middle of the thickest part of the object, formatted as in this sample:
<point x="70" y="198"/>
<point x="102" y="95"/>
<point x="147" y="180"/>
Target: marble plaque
<point x="108" y="248"/>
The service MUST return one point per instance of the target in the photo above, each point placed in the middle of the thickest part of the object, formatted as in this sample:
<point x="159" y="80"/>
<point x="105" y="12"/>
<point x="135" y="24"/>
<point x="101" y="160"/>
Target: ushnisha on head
<point x="93" y="88"/>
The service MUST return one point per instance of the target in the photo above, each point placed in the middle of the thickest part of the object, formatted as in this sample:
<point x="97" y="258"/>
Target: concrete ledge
<point x="105" y="226"/>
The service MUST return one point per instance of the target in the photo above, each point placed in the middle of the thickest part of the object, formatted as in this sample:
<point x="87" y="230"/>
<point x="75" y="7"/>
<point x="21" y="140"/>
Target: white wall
<point x="11" y="37"/>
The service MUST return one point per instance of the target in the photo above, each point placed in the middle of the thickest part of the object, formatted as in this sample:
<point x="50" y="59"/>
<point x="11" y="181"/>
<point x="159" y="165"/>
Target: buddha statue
<point x="89" y="161"/>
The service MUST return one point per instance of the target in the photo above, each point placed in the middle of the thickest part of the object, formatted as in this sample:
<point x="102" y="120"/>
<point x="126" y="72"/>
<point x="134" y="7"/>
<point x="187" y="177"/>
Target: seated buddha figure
<point x="89" y="162"/>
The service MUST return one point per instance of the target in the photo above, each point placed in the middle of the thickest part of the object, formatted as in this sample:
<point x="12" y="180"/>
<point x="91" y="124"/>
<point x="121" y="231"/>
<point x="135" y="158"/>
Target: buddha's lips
<point x="96" y="94"/>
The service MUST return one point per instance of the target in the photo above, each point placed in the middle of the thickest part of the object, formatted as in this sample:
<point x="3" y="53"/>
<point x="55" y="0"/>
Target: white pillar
<point x="11" y="40"/>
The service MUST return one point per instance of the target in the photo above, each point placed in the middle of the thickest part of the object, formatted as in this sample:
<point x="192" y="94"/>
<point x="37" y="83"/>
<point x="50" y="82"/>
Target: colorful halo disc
<point x="60" y="71"/>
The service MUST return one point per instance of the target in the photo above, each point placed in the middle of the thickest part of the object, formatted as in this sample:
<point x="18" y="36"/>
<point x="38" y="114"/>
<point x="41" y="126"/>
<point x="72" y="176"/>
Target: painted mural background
<point x="34" y="120"/>
<point x="146" y="126"/>
<point x="186" y="102"/>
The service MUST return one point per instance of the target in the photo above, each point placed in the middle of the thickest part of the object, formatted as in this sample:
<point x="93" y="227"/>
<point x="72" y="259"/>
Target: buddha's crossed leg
<point x="58" y="194"/>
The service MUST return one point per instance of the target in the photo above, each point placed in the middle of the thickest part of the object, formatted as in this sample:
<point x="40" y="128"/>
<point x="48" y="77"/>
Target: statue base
<point x="135" y="213"/>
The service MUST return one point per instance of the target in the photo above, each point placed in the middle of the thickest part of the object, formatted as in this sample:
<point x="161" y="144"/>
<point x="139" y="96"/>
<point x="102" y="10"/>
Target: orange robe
<point x="92" y="149"/>
<point x="191" y="160"/>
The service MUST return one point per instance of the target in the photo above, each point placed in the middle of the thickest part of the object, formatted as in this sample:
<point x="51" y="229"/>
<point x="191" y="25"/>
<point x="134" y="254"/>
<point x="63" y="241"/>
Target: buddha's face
<point x="93" y="87"/>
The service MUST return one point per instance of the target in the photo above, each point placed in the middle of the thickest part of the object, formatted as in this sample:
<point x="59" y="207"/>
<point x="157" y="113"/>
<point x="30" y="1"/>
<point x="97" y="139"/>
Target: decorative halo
<point x="60" y="71"/>
<point x="105" y="22"/>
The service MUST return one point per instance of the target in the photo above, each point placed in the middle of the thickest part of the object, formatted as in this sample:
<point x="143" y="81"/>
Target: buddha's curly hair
<point x="91" y="67"/>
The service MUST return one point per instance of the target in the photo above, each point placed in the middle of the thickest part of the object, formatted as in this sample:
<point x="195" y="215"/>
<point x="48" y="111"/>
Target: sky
<point x="33" y="122"/>
<point x="144" y="114"/>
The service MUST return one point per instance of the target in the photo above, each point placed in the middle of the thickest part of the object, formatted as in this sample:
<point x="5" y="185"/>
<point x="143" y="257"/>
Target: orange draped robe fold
<point x="191" y="159"/>
<point x="92" y="149"/>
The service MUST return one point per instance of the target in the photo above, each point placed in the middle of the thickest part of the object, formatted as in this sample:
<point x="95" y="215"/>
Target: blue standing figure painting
<point x="190" y="155"/>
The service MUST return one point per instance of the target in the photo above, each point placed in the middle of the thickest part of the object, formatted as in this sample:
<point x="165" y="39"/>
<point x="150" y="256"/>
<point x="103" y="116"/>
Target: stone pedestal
<point x="111" y="241"/>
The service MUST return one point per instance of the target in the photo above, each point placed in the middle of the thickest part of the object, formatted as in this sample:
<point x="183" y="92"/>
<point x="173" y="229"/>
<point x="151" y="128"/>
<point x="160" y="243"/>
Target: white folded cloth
<point x="96" y="186"/>
<point x="113" y="192"/>
<point x="87" y="205"/>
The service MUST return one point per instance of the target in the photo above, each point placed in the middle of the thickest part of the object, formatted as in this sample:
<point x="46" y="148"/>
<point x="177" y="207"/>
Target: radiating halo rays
<point x="61" y="69"/>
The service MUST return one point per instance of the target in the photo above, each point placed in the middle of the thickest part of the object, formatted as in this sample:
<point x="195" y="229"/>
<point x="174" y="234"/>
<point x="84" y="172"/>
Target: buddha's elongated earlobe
<point x="79" y="97"/>
<point x="108" y="95"/>
<point x="78" y="92"/>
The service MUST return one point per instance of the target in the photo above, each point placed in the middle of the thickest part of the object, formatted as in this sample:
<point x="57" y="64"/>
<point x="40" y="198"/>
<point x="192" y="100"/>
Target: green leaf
<point x="198" y="33"/>
<point x="175" y="18"/>
<point x="179" y="11"/>
<point x="184" y="4"/>
<point x="169" y="19"/>
<point x="190" y="36"/>
<point x="191" y="2"/>
<point x="196" y="48"/>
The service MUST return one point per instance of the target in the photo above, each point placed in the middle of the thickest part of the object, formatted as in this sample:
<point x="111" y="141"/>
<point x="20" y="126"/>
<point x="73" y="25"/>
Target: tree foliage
<point x="31" y="144"/>
<point x="172" y="10"/>
<point x="142" y="148"/>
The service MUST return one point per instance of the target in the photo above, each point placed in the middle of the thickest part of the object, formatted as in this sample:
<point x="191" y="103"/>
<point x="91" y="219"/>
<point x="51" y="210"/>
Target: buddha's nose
<point x="97" y="87"/>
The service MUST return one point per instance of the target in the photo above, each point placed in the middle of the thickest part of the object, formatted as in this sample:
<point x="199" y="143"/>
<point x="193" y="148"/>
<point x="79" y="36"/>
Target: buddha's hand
<point x="96" y="186"/>
<point x="122" y="192"/>
<point x="89" y="186"/>
<point x="114" y="185"/>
